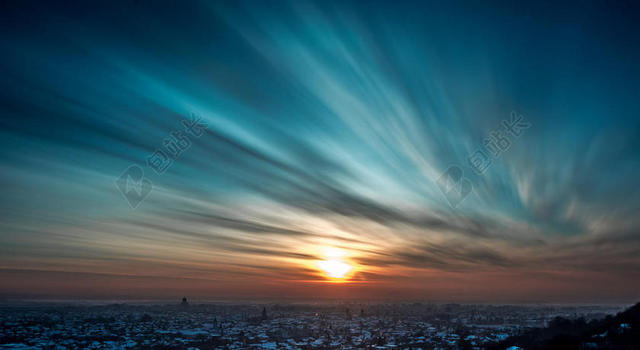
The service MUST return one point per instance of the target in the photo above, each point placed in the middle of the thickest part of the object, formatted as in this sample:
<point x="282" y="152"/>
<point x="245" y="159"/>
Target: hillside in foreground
<point x="619" y="332"/>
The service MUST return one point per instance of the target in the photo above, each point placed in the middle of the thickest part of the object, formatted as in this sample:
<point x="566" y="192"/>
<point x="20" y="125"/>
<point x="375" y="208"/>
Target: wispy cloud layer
<point x="328" y="126"/>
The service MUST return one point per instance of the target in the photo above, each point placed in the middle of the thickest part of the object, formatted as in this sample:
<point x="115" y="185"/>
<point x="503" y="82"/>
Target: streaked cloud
<point x="328" y="127"/>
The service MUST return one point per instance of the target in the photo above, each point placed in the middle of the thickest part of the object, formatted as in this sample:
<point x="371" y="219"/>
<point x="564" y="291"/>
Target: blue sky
<point x="328" y="126"/>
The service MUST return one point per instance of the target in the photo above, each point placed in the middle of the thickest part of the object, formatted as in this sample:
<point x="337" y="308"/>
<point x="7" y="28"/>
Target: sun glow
<point x="335" y="268"/>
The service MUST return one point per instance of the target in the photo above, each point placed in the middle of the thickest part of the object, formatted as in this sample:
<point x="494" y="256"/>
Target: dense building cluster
<point x="273" y="326"/>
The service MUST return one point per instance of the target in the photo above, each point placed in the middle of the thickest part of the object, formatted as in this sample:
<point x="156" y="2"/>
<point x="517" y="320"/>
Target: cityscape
<point x="338" y="325"/>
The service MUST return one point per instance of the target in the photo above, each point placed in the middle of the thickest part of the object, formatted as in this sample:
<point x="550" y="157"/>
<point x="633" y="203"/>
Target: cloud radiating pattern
<point x="328" y="126"/>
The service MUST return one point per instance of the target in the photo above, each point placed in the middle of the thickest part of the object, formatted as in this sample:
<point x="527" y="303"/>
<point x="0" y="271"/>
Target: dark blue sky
<point x="328" y="126"/>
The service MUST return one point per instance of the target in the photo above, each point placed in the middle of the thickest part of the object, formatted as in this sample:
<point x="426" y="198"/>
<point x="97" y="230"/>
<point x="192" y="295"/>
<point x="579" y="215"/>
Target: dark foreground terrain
<point x="618" y="332"/>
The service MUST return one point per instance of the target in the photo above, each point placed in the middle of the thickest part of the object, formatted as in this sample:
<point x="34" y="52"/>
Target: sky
<point x="443" y="151"/>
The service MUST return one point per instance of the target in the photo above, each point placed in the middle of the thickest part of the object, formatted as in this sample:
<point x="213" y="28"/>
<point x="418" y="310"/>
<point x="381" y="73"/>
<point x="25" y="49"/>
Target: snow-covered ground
<point x="226" y="326"/>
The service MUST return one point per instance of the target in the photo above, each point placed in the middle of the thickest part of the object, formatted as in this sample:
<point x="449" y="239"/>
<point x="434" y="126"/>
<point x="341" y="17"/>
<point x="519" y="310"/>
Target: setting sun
<point x="335" y="268"/>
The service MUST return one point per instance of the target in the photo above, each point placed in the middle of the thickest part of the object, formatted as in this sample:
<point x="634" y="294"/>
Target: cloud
<point x="327" y="127"/>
